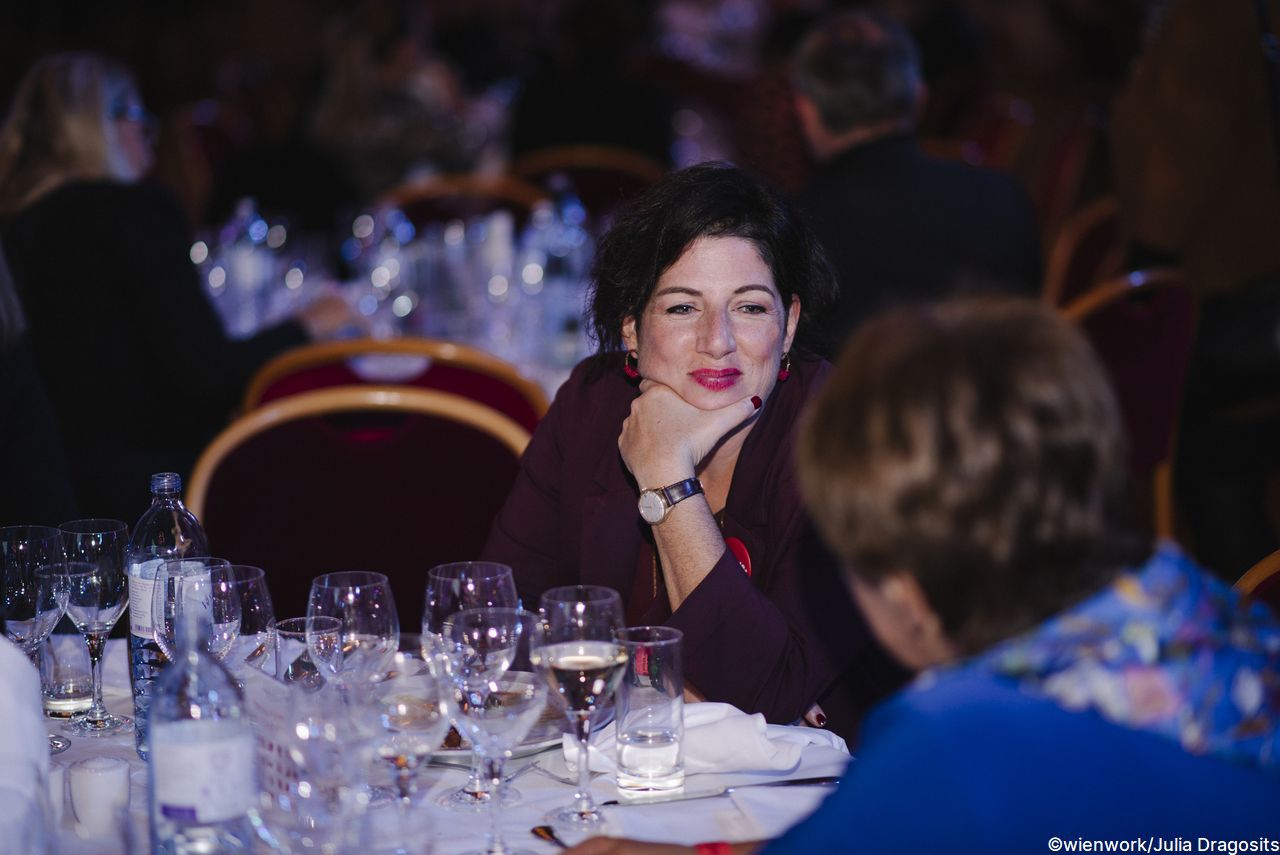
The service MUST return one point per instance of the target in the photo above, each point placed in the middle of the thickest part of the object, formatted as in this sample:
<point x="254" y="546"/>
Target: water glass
<point x="66" y="680"/>
<point x="649" y="710"/>
<point x="307" y="650"/>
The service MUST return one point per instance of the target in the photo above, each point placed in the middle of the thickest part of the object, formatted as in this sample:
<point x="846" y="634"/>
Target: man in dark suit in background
<point x="898" y="225"/>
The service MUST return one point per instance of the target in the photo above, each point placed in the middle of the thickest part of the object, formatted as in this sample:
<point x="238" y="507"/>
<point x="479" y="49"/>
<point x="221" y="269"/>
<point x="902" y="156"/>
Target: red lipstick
<point x="715" y="379"/>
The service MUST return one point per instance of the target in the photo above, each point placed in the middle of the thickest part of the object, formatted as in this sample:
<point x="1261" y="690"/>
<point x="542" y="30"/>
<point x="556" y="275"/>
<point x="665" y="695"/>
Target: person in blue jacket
<point x="965" y="461"/>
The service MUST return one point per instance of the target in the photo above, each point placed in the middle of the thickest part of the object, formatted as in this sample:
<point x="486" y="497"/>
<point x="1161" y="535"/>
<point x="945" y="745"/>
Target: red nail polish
<point x="756" y="402"/>
<point x="820" y="719"/>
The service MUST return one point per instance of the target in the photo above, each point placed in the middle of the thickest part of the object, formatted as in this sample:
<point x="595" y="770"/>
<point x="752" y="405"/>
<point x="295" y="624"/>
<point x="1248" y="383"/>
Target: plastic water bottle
<point x="166" y="530"/>
<point x="202" y="783"/>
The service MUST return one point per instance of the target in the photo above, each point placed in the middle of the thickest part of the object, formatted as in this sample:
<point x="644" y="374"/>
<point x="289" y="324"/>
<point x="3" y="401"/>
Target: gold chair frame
<point x="437" y="350"/>
<point x="1258" y="573"/>
<point x="510" y="189"/>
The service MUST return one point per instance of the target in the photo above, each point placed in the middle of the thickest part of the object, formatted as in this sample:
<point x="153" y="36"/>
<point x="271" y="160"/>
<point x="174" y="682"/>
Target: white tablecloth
<point x="745" y="815"/>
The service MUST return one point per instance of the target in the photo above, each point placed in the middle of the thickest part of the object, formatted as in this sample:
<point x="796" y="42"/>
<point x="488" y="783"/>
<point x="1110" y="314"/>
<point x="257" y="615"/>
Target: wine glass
<point x="32" y="593"/>
<point x="253" y="646"/>
<point x="575" y="649"/>
<point x="97" y="593"/>
<point x="450" y="589"/>
<point x="364" y="604"/>
<point x="321" y="802"/>
<point x="494" y="704"/>
<point x="401" y="712"/>
<point x="205" y="585"/>
<point x="31" y="564"/>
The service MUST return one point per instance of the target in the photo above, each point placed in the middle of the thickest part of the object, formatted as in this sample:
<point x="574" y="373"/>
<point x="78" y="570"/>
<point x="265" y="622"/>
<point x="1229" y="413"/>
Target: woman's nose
<point x="715" y="335"/>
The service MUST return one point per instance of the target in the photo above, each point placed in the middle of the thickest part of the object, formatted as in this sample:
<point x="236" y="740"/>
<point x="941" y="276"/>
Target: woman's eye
<point x="754" y="309"/>
<point x="682" y="309"/>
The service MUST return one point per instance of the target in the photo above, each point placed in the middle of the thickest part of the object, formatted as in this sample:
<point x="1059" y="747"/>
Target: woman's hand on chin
<point x="665" y="437"/>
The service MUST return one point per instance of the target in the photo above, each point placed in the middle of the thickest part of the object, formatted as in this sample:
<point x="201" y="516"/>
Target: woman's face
<point x="715" y="327"/>
<point x="129" y="137"/>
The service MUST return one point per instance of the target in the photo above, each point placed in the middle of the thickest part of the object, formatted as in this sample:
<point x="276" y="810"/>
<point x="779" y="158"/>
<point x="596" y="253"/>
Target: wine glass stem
<point x="492" y="773"/>
<point x="582" y="802"/>
<point x="97" y="641"/>
<point x="475" y="784"/>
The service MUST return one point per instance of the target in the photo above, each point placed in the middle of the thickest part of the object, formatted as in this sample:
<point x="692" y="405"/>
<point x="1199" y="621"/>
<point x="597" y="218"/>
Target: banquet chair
<point x="407" y="361"/>
<point x="1086" y="249"/>
<point x="602" y="176"/>
<point x="383" y="478"/>
<point x="1142" y="326"/>
<point x="1262" y="581"/>
<point x="441" y="198"/>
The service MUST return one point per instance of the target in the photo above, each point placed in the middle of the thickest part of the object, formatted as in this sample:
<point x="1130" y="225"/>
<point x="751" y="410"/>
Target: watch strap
<point x="681" y="490"/>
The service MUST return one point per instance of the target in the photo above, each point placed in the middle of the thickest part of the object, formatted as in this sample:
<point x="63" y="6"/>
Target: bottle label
<point x="142" y="581"/>
<point x="203" y="770"/>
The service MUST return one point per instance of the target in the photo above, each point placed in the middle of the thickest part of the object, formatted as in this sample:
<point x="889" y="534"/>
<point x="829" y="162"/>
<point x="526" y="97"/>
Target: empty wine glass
<point x="574" y="647"/>
<point x="204" y="584"/>
<point x="401" y="713"/>
<point x="253" y="646"/>
<point x="321" y="801"/>
<point x="494" y="705"/>
<point x="450" y="589"/>
<point x="364" y="604"/>
<point x="97" y="593"/>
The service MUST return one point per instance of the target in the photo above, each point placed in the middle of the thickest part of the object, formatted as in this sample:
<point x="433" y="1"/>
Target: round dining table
<point x="749" y="813"/>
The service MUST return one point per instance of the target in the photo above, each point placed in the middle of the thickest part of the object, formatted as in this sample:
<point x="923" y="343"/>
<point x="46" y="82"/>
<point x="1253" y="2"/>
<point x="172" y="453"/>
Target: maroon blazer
<point x="773" y="642"/>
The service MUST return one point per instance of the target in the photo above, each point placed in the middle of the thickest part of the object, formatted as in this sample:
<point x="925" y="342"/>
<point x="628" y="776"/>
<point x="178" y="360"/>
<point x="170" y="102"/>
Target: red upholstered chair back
<point x="1262" y="581"/>
<point x="426" y="363"/>
<point x="390" y="479"/>
<point x="1142" y="325"/>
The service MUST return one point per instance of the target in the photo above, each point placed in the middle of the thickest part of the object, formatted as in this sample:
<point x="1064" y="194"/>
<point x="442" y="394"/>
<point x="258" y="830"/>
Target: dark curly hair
<point x="975" y="445"/>
<point x="708" y="200"/>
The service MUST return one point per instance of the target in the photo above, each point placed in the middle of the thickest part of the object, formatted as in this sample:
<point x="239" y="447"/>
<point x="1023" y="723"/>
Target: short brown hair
<point x="976" y="445"/>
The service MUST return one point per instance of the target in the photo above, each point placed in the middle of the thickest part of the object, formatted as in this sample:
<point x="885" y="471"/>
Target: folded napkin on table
<point x="719" y="738"/>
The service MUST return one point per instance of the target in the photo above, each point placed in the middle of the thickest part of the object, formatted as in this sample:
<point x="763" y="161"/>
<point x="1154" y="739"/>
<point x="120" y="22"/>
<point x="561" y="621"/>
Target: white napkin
<point x="23" y="739"/>
<point x="719" y="738"/>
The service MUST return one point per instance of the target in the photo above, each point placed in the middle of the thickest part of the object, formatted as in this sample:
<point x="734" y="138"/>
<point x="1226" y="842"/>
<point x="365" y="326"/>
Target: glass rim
<point x="251" y="573"/>
<point x="53" y="532"/>
<point x="306" y="622"/>
<point x="368" y="577"/>
<point x="442" y="571"/>
<point x="582" y="593"/>
<point x="93" y="525"/>
<point x="653" y="636"/>
<point x="79" y="568"/>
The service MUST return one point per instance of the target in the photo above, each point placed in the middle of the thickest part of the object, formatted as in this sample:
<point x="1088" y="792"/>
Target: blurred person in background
<point x="134" y="358"/>
<point x="897" y="224"/>
<point x="36" y="487"/>
<point x="1196" y="143"/>
<point x="965" y="461"/>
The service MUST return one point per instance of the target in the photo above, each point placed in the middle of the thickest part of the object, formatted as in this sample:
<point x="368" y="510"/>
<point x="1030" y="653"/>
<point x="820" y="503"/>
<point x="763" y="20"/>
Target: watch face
<point x="652" y="508"/>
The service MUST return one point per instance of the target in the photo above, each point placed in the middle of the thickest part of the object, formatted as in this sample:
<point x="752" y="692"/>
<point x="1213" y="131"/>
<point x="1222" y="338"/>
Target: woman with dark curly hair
<point x="664" y="467"/>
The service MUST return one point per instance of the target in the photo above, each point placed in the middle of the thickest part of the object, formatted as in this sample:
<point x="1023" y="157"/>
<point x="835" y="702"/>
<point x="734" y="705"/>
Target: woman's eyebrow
<point x="694" y="292"/>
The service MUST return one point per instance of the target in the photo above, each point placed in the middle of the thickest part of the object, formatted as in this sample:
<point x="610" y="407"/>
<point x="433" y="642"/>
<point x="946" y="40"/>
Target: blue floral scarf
<point x="1165" y="649"/>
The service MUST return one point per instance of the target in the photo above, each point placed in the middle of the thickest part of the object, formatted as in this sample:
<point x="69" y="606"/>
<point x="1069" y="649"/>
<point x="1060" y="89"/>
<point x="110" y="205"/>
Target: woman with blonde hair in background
<point x="136" y="363"/>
